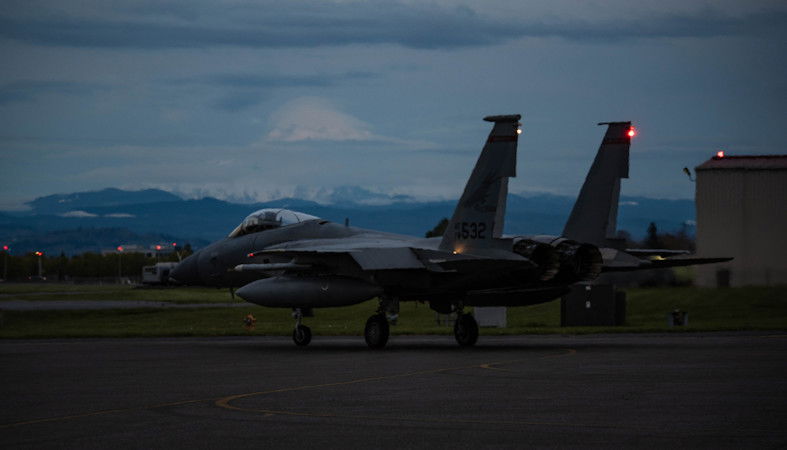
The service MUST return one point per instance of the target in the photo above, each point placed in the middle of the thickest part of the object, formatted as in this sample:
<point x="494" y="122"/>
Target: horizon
<point x="328" y="199"/>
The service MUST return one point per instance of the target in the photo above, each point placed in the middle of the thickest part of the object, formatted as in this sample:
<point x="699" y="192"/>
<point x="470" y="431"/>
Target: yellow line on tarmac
<point x="100" y="413"/>
<point x="224" y="402"/>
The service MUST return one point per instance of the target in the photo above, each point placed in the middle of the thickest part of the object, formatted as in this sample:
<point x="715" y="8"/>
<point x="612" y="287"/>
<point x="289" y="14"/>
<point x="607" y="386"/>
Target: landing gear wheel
<point x="376" y="331"/>
<point x="466" y="330"/>
<point x="302" y="335"/>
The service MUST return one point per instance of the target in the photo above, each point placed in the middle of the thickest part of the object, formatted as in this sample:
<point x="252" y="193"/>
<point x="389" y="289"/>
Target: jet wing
<point x="385" y="258"/>
<point x="483" y="265"/>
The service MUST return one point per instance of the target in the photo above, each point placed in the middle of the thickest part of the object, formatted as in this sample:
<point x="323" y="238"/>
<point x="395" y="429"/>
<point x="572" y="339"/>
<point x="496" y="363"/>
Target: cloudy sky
<point x="256" y="100"/>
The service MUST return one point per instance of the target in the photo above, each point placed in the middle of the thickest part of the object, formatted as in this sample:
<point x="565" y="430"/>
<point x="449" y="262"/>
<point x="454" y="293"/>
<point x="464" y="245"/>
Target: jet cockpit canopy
<point x="268" y="218"/>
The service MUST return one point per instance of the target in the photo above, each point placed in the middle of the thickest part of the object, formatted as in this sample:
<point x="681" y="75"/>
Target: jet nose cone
<point x="187" y="271"/>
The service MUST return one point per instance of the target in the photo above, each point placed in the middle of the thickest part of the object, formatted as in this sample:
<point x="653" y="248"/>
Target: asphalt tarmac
<point x="680" y="390"/>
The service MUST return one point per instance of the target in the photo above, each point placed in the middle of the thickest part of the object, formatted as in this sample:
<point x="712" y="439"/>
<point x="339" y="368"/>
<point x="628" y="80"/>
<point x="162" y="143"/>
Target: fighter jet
<point x="288" y="259"/>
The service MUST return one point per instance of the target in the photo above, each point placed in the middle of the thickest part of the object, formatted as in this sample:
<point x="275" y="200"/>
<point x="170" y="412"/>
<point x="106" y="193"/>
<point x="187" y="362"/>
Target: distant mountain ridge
<point x="158" y="213"/>
<point x="63" y="203"/>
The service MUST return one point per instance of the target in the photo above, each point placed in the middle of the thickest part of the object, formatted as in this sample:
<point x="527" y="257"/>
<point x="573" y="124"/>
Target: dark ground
<point x="660" y="391"/>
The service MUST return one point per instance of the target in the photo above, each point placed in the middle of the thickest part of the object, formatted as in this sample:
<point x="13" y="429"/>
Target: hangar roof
<point x="745" y="162"/>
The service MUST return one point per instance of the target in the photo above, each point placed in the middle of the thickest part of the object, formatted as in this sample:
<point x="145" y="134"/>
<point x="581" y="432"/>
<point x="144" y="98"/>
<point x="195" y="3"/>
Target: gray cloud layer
<point x="26" y="90"/>
<point x="299" y="25"/>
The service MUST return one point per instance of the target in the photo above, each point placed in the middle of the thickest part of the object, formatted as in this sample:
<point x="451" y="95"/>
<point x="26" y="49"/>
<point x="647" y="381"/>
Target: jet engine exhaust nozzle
<point x="579" y="262"/>
<point x="544" y="255"/>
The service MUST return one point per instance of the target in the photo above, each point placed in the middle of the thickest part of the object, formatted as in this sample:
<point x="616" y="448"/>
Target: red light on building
<point x="120" y="248"/>
<point x="5" y="248"/>
<point x="250" y="255"/>
<point x="632" y="132"/>
<point x="158" y="247"/>
<point x="174" y="244"/>
<point x="720" y="154"/>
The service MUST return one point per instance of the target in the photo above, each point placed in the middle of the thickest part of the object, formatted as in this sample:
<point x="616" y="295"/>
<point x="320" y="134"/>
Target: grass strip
<point x="750" y="308"/>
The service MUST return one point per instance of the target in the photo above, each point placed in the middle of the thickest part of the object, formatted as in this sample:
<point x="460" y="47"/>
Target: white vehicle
<point x="157" y="274"/>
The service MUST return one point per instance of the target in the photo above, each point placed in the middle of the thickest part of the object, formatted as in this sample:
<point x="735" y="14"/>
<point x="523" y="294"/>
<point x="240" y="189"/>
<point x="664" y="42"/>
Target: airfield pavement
<point x="680" y="390"/>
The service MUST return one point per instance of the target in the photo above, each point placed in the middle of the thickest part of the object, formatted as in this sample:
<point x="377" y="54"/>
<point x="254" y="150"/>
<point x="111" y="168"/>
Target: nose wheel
<point x="302" y="334"/>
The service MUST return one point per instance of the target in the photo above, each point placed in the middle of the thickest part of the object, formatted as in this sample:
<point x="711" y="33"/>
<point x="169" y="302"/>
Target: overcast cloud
<point x="257" y="99"/>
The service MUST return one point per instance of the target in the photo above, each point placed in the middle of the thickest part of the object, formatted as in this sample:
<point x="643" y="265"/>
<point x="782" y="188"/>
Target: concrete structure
<point x="742" y="212"/>
<point x="491" y="316"/>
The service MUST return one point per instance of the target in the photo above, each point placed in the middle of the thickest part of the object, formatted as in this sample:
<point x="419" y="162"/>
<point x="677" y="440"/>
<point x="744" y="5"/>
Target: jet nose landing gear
<point x="302" y="334"/>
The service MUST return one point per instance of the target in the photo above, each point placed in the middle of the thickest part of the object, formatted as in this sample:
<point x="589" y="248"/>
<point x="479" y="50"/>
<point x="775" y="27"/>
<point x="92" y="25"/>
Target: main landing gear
<point x="377" y="329"/>
<point x="302" y="334"/>
<point x="465" y="329"/>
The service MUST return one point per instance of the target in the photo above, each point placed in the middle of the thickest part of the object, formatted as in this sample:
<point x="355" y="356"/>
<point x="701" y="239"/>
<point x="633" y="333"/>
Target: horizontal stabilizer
<point x="678" y="261"/>
<point x="644" y="252"/>
<point x="661" y="263"/>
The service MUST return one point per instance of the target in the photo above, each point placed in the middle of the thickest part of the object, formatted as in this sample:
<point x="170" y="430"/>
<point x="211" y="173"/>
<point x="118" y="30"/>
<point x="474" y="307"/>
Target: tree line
<point x="36" y="265"/>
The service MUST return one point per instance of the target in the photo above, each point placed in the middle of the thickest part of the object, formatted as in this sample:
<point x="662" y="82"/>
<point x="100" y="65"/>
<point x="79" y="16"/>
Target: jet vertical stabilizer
<point x="479" y="215"/>
<point x="594" y="216"/>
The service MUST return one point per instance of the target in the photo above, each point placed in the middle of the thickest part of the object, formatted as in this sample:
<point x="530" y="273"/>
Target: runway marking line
<point x="103" y="412"/>
<point x="223" y="402"/>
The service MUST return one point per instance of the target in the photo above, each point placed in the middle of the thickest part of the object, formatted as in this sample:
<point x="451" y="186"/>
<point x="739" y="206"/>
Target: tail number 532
<point x="470" y="230"/>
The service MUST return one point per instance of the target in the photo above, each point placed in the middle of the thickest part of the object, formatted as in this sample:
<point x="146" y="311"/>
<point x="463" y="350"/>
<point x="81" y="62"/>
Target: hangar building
<point x="742" y="212"/>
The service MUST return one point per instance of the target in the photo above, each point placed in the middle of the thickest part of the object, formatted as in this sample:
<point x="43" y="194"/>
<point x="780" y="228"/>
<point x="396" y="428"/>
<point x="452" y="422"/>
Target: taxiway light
<point x="720" y="154"/>
<point x="632" y="132"/>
